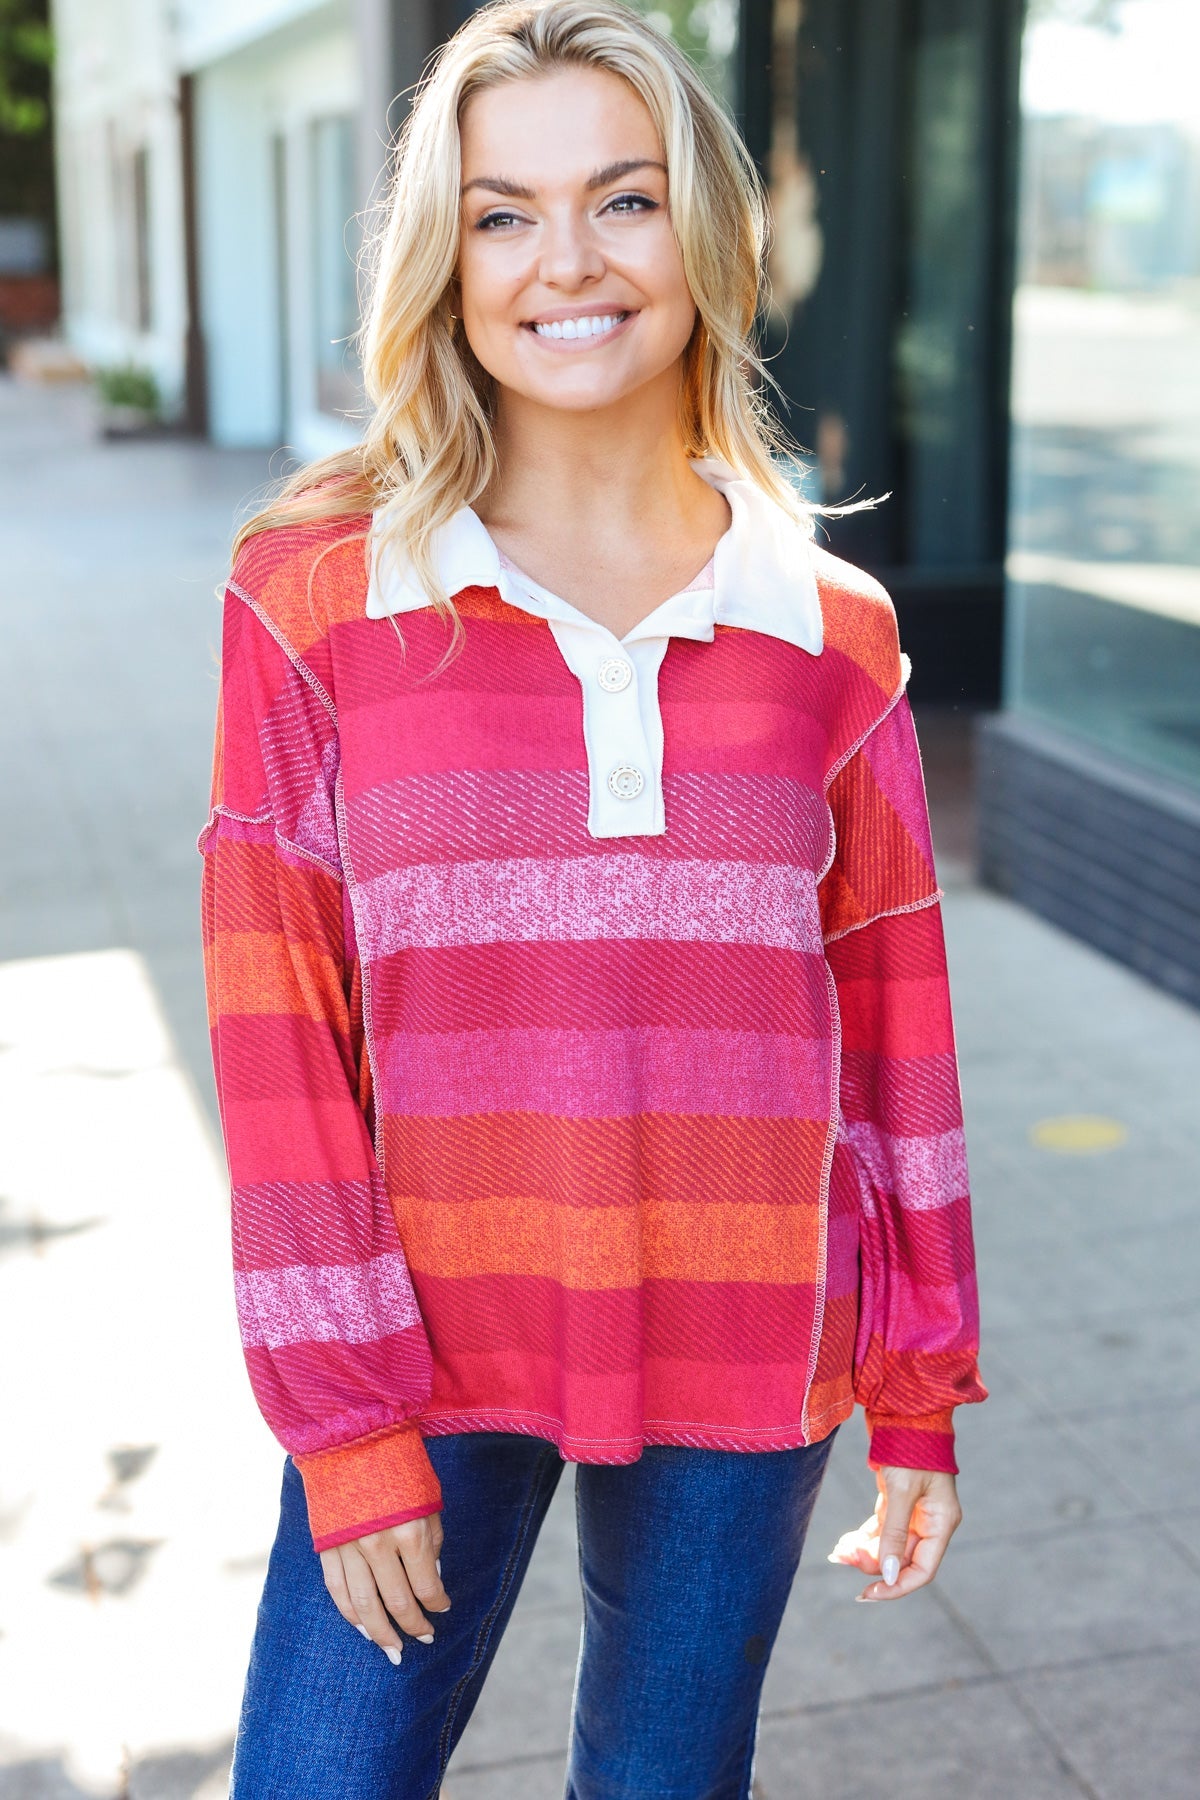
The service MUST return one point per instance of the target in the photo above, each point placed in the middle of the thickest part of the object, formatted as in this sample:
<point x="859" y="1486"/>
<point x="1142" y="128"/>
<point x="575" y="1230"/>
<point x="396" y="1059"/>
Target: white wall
<point x="277" y="85"/>
<point x="208" y="29"/>
<point x="116" y="93"/>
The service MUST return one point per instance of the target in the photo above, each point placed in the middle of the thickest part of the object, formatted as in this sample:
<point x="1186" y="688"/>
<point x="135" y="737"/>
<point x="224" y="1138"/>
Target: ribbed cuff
<point x="377" y="1481"/>
<point x="922" y="1442"/>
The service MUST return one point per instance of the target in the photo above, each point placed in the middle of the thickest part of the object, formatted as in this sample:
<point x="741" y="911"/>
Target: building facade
<point x="1090" y="774"/>
<point x="118" y="159"/>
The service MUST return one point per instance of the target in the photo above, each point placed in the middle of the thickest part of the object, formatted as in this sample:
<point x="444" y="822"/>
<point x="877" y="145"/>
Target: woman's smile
<point x="586" y="332"/>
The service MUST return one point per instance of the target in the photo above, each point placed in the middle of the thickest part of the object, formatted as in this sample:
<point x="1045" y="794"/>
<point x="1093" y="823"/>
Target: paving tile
<point x="1054" y="1597"/>
<point x="1018" y="1292"/>
<point x="1030" y="1475"/>
<point x="525" y="1707"/>
<point x="552" y="1579"/>
<point x="1154" y="1450"/>
<point x="968" y="1741"/>
<point x="1130" y="1724"/>
<point x="536" y="1778"/>
<point x="1132" y="1355"/>
<point x="831" y="1649"/>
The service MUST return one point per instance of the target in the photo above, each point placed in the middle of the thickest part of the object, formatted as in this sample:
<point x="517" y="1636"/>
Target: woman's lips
<point x="582" y="343"/>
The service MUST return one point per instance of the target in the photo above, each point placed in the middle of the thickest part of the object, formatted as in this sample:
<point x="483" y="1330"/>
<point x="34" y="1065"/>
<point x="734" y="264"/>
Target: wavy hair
<point x="428" y="446"/>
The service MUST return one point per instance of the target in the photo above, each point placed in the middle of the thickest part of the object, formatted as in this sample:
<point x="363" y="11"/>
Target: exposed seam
<point x="364" y="965"/>
<point x="890" y="912"/>
<point x="288" y="843"/>
<point x="431" y="1421"/>
<point x="836" y="770"/>
<point x="857" y="745"/>
<point x="281" y="838"/>
<point x="835" y="1080"/>
<point x="289" y="651"/>
<point x="227" y="812"/>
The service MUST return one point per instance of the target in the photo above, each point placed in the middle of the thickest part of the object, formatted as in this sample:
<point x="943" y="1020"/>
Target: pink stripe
<point x="612" y="1330"/>
<point x="318" y="1395"/>
<point x="625" y="896"/>
<point x="925" y="1171"/>
<point x="912" y="1096"/>
<point x="895" y="762"/>
<point x="355" y="1304"/>
<point x="603" y="986"/>
<point x="605" y="1074"/>
<point x="281" y="1224"/>
<point x="431" y="730"/>
<point x="485" y="814"/>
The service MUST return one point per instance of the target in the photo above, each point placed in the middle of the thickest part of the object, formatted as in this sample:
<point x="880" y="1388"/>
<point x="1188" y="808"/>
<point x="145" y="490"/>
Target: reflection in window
<point x="706" y="30"/>
<point x="336" y="240"/>
<point x="1105" y="530"/>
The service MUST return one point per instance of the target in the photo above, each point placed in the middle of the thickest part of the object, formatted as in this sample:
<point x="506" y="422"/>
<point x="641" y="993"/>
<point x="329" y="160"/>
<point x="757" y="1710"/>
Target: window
<point x="1104" y="567"/>
<point x="336" y="241"/>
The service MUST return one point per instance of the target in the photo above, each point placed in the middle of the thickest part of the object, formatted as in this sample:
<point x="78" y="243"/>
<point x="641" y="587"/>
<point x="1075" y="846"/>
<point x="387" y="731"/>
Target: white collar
<point x="763" y="575"/>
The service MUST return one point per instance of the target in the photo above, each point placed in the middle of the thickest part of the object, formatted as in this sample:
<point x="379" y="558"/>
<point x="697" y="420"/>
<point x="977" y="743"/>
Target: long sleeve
<point x="901" y="1107"/>
<point x="336" y="1351"/>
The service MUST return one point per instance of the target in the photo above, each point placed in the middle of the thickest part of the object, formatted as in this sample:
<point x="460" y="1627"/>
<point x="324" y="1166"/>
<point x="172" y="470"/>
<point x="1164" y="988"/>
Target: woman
<point x="576" y="972"/>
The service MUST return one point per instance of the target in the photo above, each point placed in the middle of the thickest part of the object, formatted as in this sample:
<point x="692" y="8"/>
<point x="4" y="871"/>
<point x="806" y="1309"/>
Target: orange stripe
<point x="612" y="1246"/>
<point x="255" y="972"/>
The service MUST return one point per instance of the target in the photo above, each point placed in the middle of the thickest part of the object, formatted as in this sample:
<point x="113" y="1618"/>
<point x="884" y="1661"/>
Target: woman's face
<point x="564" y="218"/>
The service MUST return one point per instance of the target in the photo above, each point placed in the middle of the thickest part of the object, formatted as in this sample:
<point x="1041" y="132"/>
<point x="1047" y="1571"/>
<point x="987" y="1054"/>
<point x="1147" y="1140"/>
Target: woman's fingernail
<point x="865" y="1596"/>
<point x="426" y="1638"/>
<point x="891" y="1570"/>
<point x="392" y="1652"/>
<point x="438" y="1565"/>
<point x="364" y="1630"/>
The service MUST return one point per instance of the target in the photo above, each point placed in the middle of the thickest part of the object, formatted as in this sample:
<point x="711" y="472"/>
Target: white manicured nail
<point x="364" y="1631"/>
<point x="392" y="1652"/>
<point x="891" y="1570"/>
<point x="427" y="1639"/>
<point x="438" y="1565"/>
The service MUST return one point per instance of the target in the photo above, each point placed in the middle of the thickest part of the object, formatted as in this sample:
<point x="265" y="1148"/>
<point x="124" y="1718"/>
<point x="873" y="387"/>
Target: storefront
<point x="1090" y="777"/>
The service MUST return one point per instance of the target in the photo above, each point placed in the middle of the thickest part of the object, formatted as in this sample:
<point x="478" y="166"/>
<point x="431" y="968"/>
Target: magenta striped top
<point x="611" y="1140"/>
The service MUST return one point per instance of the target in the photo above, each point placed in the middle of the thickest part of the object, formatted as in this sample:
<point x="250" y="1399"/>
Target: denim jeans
<point x="686" y="1560"/>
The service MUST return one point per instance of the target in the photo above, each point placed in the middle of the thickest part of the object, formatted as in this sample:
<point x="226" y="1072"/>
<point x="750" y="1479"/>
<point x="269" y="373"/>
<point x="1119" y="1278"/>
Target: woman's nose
<point x="568" y="252"/>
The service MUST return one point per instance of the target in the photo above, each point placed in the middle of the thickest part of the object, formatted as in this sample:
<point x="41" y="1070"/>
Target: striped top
<point x="610" y="1140"/>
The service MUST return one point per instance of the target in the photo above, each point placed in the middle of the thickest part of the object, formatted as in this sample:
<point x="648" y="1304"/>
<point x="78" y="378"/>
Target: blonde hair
<point x="428" y="448"/>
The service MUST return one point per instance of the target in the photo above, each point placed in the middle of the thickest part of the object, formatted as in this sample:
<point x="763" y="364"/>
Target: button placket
<point x="623" y="785"/>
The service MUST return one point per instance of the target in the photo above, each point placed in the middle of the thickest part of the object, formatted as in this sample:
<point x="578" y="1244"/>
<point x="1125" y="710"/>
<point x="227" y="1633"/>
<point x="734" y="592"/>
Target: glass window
<point x="336" y="241"/>
<point x="707" y="30"/>
<point x="1104" y="565"/>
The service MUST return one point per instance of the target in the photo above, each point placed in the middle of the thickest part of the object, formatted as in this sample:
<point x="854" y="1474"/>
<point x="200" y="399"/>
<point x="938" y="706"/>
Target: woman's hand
<point x="915" y="1515"/>
<point x="389" y="1572"/>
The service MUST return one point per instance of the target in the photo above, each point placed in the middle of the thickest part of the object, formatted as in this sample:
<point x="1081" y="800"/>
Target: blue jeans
<point x="686" y="1560"/>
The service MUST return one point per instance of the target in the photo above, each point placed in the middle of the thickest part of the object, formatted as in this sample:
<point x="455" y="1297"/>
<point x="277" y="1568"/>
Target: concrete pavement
<point x="1058" y="1652"/>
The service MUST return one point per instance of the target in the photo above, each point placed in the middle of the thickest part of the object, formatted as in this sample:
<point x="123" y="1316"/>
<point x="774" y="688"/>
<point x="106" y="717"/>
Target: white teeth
<point x="577" y="328"/>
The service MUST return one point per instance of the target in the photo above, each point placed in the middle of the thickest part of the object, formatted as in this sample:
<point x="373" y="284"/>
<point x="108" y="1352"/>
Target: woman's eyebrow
<point x="500" y="184"/>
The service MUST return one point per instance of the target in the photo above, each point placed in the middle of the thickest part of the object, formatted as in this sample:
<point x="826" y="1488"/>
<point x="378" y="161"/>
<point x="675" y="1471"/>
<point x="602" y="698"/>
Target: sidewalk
<point x="1058" y="1652"/>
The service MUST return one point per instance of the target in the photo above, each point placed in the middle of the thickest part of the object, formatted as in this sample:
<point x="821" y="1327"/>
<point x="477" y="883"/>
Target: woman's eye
<point x="631" y="201"/>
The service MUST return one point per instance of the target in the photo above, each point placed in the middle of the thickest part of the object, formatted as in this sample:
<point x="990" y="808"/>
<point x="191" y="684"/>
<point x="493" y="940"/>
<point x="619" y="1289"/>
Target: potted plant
<point x="129" y="399"/>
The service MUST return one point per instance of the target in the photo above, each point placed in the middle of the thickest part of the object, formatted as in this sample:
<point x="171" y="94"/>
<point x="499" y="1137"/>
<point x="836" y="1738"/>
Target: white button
<point x="614" y="674"/>
<point x="626" y="782"/>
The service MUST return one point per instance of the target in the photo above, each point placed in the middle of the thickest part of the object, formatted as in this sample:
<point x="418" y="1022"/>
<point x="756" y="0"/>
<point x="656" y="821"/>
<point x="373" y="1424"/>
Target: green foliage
<point x="26" y="53"/>
<point x="705" y="29"/>
<point x="128" y="385"/>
